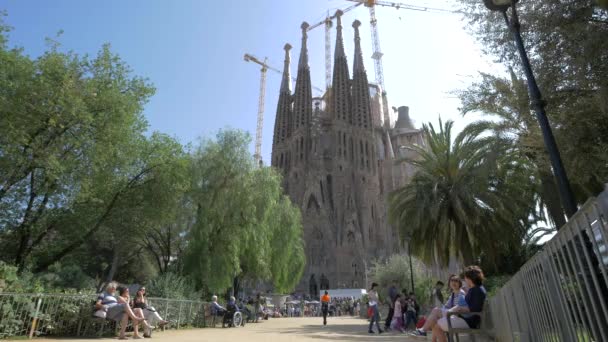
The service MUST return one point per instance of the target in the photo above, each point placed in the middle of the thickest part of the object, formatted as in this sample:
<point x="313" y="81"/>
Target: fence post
<point x="190" y="318"/>
<point x="179" y="313"/>
<point x="167" y="307"/>
<point x="35" y="319"/>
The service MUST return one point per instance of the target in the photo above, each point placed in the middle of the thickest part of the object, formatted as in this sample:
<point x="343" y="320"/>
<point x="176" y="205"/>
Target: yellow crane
<point x="260" y="122"/>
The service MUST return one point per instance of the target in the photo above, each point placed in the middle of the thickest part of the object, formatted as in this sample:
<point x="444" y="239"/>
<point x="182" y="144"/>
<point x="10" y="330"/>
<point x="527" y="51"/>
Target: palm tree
<point x="469" y="197"/>
<point x="506" y="102"/>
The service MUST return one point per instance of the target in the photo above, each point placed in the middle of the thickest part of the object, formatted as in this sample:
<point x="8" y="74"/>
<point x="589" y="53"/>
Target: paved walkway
<point x="280" y="329"/>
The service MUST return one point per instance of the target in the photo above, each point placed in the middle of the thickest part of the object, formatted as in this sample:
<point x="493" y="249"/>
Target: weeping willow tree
<point x="471" y="197"/>
<point x="244" y="227"/>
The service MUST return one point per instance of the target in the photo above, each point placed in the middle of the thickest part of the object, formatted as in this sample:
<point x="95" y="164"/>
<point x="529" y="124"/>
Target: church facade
<point x="337" y="156"/>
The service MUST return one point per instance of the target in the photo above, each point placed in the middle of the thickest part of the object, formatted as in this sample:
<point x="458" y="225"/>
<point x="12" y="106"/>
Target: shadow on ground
<point x="341" y="332"/>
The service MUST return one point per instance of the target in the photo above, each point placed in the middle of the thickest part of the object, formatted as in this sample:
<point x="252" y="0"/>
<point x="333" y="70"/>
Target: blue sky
<point x="192" y="51"/>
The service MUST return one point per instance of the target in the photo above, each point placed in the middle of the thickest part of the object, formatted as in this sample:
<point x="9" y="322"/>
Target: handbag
<point x="370" y="312"/>
<point x="100" y="313"/>
<point x="421" y="322"/>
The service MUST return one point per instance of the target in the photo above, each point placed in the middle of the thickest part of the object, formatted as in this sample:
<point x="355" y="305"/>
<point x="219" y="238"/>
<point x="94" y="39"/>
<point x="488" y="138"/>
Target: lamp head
<point x="499" y="5"/>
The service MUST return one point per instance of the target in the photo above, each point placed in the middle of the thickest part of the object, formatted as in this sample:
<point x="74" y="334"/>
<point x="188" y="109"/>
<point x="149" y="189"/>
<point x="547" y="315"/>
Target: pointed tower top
<point x="286" y="81"/>
<point x="304" y="51"/>
<point x="339" y="52"/>
<point x="358" y="61"/>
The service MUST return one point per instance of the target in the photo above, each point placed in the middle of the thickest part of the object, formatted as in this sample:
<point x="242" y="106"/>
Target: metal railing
<point x="561" y="294"/>
<point x="72" y="315"/>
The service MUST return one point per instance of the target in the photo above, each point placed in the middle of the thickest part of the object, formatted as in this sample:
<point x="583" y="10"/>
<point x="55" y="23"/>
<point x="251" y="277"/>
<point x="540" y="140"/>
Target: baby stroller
<point x="232" y="316"/>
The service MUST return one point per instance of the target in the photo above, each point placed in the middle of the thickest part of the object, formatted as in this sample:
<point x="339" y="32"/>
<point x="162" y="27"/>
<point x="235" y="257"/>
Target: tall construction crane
<point x="328" y="23"/>
<point x="377" y="53"/>
<point x="260" y="124"/>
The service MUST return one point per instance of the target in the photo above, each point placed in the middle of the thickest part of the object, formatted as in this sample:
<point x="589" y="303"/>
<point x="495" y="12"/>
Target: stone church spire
<point x="303" y="94"/>
<point x="360" y="89"/>
<point x="286" y="81"/>
<point x="302" y="106"/>
<point x="340" y="98"/>
<point x="282" y="129"/>
<point x="358" y="60"/>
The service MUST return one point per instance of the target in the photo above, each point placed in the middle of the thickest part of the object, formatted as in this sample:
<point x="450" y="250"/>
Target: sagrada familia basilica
<point x="338" y="155"/>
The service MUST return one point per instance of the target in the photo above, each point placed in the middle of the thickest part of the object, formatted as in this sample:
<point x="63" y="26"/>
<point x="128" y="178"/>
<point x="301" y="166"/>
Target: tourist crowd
<point x="465" y="296"/>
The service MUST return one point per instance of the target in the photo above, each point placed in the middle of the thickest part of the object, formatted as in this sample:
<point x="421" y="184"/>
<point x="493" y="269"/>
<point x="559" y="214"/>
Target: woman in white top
<point x="455" y="298"/>
<point x="372" y="295"/>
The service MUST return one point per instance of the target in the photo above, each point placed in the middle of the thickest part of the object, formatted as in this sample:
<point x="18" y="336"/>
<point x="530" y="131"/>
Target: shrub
<point x="171" y="285"/>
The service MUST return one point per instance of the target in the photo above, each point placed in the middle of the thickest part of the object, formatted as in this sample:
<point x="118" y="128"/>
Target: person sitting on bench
<point x="115" y="311"/>
<point x="150" y="313"/>
<point x="455" y="298"/>
<point x="475" y="298"/>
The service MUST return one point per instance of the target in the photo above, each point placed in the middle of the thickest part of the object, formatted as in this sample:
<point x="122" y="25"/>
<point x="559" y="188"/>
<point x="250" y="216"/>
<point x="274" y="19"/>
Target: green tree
<point x="465" y="191"/>
<point x="396" y="268"/>
<point x="506" y="103"/>
<point x="76" y="162"/>
<point x="568" y="51"/>
<point x="244" y="228"/>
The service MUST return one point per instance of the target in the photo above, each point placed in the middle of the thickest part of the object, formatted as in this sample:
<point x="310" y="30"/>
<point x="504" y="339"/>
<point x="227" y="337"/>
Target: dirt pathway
<point x="279" y="329"/>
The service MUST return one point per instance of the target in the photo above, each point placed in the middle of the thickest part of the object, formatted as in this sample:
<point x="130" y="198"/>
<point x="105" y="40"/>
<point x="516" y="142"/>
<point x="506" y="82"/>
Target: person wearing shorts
<point x="475" y="298"/>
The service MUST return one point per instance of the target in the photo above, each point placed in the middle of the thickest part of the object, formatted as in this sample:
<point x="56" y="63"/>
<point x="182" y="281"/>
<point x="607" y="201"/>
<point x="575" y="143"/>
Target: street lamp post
<point x="566" y="195"/>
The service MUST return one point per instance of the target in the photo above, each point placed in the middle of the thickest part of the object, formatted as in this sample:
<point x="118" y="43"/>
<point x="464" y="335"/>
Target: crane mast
<point x="327" y="52"/>
<point x="257" y="155"/>
<point x="377" y="52"/>
<point x="260" y="124"/>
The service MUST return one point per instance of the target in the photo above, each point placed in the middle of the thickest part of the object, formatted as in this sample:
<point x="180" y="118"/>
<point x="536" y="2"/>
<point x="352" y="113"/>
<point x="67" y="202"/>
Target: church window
<point x="350" y="238"/>
<point x="361" y="154"/>
<point x="344" y="144"/>
<point x="322" y="193"/>
<point x="297" y="149"/>
<point x="367" y="155"/>
<point x="330" y="195"/>
<point x="312" y="203"/>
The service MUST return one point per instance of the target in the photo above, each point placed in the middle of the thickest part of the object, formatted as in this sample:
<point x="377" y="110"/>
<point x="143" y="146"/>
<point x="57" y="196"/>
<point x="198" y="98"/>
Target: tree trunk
<point x="114" y="267"/>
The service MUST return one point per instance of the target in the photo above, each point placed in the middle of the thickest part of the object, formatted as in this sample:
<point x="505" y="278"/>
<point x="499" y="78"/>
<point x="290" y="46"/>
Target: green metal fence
<point x="561" y="294"/>
<point x="72" y="315"/>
